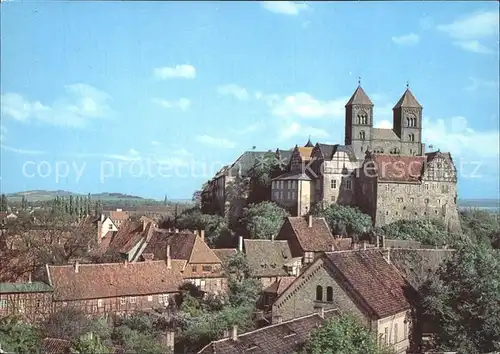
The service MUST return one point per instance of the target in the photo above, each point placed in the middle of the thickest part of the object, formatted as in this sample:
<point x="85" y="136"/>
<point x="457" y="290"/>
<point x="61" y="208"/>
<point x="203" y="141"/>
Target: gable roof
<point x="317" y="238"/>
<point x="384" y="134"/>
<point x="407" y="100"/>
<point x="118" y="215"/>
<point x="295" y="176"/>
<point x="127" y="237"/>
<point x="377" y="282"/>
<point x="397" y="168"/>
<point x="305" y="152"/>
<point x="281" y="338"/>
<point x="97" y="281"/>
<point x="183" y="245"/>
<point x="359" y="97"/>
<point x="245" y="162"/>
<point x="267" y="257"/>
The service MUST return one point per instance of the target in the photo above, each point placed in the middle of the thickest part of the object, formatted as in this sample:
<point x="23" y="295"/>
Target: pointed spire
<point x="359" y="97"/>
<point x="407" y="100"/>
<point x="309" y="143"/>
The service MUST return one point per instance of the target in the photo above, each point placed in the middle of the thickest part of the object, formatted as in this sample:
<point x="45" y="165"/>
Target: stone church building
<point x="385" y="172"/>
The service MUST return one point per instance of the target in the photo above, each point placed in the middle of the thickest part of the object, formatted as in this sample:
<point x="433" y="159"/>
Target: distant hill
<point x="43" y="195"/>
<point x="479" y="203"/>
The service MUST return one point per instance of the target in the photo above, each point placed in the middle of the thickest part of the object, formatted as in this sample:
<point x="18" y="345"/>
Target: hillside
<point x="43" y="195"/>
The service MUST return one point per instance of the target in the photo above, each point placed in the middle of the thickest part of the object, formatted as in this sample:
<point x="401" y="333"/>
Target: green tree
<point x="480" y="225"/>
<point x="216" y="229"/>
<point x="263" y="220"/>
<point x="343" y="335"/>
<point x="4" y="204"/>
<point x="67" y="323"/>
<point x="428" y="232"/>
<point x="345" y="220"/>
<point x="89" y="344"/>
<point x="18" y="337"/>
<point x="463" y="300"/>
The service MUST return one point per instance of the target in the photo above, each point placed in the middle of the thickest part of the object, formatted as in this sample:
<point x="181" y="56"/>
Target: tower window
<point x="411" y="137"/>
<point x="362" y="118"/>
<point x="362" y="135"/>
<point x="319" y="293"/>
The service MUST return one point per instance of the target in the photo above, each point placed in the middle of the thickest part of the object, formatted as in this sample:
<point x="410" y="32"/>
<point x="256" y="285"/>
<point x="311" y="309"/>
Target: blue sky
<point x="151" y="98"/>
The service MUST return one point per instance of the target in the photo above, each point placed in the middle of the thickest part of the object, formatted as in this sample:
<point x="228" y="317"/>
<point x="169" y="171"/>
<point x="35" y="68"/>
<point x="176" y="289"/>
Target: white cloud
<point x="291" y="8"/>
<point x="82" y="104"/>
<point x="297" y="130"/>
<point x="182" y="103"/>
<point x="481" y="84"/>
<point x="215" y="142"/>
<point x="236" y="91"/>
<point x="469" y="30"/>
<point x="184" y="71"/>
<point x="473" y="46"/>
<point x="456" y="136"/>
<point x="303" y="105"/>
<point x="407" y="39"/>
<point x="383" y="124"/>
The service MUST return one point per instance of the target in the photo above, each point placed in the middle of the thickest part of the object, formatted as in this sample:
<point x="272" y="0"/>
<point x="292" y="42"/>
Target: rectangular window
<point x="395" y="333"/>
<point x="386" y="336"/>
<point x="439" y="201"/>
<point x="123" y="301"/>
<point x="132" y="299"/>
<point x="387" y="187"/>
<point x="426" y="186"/>
<point x="332" y="198"/>
<point x="412" y="200"/>
<point x="150" y="298"/>
<point x="281" y="195"/>
<point x="289" y="195"/>
<point x="202" y="284"/>
<point x="100" y="303"/>
<point x="348" y="185"/>
<point x="333" y="184"/>
<point x="193" y="269"/>
<point x="206" y="268"/>
<point x="3" y="304"/>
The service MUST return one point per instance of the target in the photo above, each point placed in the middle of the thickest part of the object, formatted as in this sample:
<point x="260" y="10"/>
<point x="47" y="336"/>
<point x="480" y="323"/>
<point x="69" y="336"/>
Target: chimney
<point x="377" y="240"/>
<point x="144" y="225"/>
<point x="234" y="334"/>
<point x="226" y="334"/>
<point x="99" y="232"/>
<point x="29" y="277"/>
<point x="170" y="340"/>
<point x="102" y="217"/>
<point x="125" y="263"/>
<point x="176" y="231"/>
<point x="202" y="235"/>
<point x="77" y="266"/>
<point x="273" y="237"/>
<point x="310" y="220"/>
<point x="388" y="255"/>
<point x="383" y="241"/>
<point x="169" y="260"/>
<point x="364" y="245"/>
<point x="196" y="232"/>
<point x="240" y="244"/>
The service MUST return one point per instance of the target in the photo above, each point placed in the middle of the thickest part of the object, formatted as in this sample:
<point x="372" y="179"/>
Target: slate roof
<point x="33" y="287"/>
<point x="282" y="338"/>
<point x="329" y="150"/>
<point x="407" y="100"/>
<point x="397" y="168"/>
<point x="267" y="258"/>
<point x="384" y="134"/>
<point x="372" y="278"/>
<point x="97" y="281"/>
<point x="245" y="162"/>
<point x="285" y="155"/>
<point x="309" y="143"/>
<point x="280" y="285"/>
<point x="359" y="97"/>
<point x="317" y="238"/>
<point x="183" y="245"/>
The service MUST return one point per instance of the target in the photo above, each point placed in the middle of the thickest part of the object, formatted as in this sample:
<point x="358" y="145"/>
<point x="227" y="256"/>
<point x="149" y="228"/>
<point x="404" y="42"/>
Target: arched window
<point x="362" y="135"/>
<point x="411" y="137"/>
<point x="378" y="151"/>
<point x="407" y="122"/>
<point x="329" y="293"/>
<point x="319" y="293"/>
<point x="362" y="118"/>
<point x="394" y="151"/>
<point x="357" y="119"/>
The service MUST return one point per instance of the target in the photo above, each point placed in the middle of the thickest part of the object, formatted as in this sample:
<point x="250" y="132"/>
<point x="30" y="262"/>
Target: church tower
<point x="407" y="123"/>
<point x="359" y="122"/>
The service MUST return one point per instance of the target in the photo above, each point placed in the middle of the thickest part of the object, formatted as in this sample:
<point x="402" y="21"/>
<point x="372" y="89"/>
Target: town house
<point x="32" y="301"/>
<point x="361" y="283"/>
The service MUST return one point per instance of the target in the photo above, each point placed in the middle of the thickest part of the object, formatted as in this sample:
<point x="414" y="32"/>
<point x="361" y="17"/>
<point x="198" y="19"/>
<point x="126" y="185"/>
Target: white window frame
<point x="100" y="303"/>
<point x="132" y="299"/>
<point x="150" y="298"/>
<point x="123" y="300"/>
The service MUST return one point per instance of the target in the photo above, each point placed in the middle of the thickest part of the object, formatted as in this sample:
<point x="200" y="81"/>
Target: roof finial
<point x="407" y="84"/>
<point x="359" y="80"/>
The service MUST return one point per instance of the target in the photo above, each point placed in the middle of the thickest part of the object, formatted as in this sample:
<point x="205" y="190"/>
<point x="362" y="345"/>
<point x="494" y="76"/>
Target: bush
<point x="345" y="220"/>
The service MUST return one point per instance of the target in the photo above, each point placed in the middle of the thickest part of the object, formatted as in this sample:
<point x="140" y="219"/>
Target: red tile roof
<point x="317" y="238"/>
<point x="225" y="253"/>
<point x="97" y="281"/>
<point x="127" y="237"/>
<point x="118" y="215"/>
<point x="395" y="168"/>
<point x="377" y="282"/>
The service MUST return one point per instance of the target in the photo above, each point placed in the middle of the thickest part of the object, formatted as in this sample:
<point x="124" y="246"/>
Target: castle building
<point x="385" y="172"/>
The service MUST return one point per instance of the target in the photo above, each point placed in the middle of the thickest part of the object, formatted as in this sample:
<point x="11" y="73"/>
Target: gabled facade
<point x="361" y="283"/>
